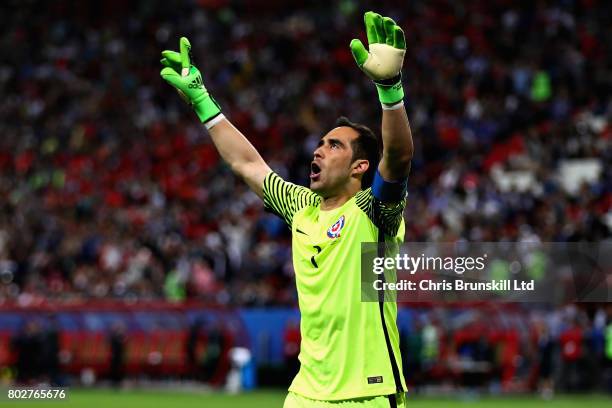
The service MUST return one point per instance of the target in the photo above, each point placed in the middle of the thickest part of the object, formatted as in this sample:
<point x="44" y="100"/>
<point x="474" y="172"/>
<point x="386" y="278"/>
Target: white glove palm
<point x="383" y="62"/>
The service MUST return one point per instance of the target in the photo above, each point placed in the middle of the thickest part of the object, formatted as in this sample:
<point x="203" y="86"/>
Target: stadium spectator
<point x="571" y="343"/>
<point x="545" y="354"/>
<point x="411" y="343"/>
<point x="50" y="351"/>
<point x="215" y="352"/>
<point x="191" y="348"/>
<point x="27" y="344"/>
<point x="117" y="341"/>
<point x="291" y="348"/>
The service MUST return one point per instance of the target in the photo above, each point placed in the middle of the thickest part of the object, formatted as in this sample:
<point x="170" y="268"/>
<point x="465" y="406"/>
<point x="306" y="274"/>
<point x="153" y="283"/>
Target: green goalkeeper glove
<point x="383" y="62"/>
<point x="187" y="81"/>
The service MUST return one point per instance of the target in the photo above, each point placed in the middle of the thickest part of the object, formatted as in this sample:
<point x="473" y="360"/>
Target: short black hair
<point x="366" y="146"/>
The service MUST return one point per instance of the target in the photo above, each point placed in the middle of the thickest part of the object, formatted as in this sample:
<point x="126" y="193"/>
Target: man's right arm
<point x="244" y="160"/>
<point x="232" y="145"/>
<point x="279" y="196"/>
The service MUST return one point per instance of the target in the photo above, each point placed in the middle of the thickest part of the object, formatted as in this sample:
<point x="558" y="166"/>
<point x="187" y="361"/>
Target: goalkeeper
<point x="349" y="352"/>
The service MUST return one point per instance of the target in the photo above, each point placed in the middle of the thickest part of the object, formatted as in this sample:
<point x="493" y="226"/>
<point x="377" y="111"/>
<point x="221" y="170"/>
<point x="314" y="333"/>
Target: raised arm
<point x="383" y="64"/>
<point x="397" y="144"/>
<point x="232" y="145"/>
<point x="240" y="154"/>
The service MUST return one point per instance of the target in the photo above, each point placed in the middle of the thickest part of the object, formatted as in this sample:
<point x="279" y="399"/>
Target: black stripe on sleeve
<point x="385" y="215"/>
<point x="285" y="199"/>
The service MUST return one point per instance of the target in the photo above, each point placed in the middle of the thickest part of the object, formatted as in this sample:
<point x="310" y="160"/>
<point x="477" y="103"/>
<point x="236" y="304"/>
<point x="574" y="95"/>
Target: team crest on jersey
<point x="334" y="230"/>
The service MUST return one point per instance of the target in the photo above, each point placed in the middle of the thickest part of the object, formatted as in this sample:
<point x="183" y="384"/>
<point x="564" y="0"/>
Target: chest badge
<point x="334" y="230"/>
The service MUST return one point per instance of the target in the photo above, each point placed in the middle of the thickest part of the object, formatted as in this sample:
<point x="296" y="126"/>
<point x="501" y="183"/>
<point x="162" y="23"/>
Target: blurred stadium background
<point x="131" y="257"/>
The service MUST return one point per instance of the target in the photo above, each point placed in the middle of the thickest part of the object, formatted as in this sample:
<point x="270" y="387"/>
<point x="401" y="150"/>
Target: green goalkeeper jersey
<point x="349" y="348"/>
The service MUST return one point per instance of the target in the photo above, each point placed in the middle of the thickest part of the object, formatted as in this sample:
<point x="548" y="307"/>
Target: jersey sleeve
<point x="386" y="215"/>
<point x="284" y="198"/>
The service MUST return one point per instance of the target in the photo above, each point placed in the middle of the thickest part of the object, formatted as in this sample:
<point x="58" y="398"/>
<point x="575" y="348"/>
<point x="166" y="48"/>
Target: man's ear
<point x="360" y="166"/>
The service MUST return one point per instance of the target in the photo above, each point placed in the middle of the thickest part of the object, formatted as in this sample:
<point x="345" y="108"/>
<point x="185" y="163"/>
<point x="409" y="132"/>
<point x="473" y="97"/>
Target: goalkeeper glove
<point x="383" y="62"/>
<point x="187" y="81"/>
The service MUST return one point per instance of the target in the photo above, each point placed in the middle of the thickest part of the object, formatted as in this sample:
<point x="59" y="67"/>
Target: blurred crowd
<point x="110" y="188"/>
<point x="565" y="349"/>
<point x="44" y="349"/>
<point x="488" y="349"/>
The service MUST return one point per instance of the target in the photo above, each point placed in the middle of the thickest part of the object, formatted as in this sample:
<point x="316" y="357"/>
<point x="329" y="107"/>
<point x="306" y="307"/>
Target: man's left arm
<point x="397" y="145"/>
<point x="383" y="63"/>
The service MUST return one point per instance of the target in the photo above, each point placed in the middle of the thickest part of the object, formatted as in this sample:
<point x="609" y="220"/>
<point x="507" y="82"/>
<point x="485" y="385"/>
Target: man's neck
<point x="338" y="200"/>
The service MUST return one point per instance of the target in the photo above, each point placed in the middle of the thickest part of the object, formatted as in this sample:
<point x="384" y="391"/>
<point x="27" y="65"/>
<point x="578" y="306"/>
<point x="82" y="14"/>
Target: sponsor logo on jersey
<point x="334" y="230"/>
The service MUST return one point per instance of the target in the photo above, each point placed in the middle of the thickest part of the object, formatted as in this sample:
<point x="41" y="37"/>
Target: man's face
<point x="333" y="166"/>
